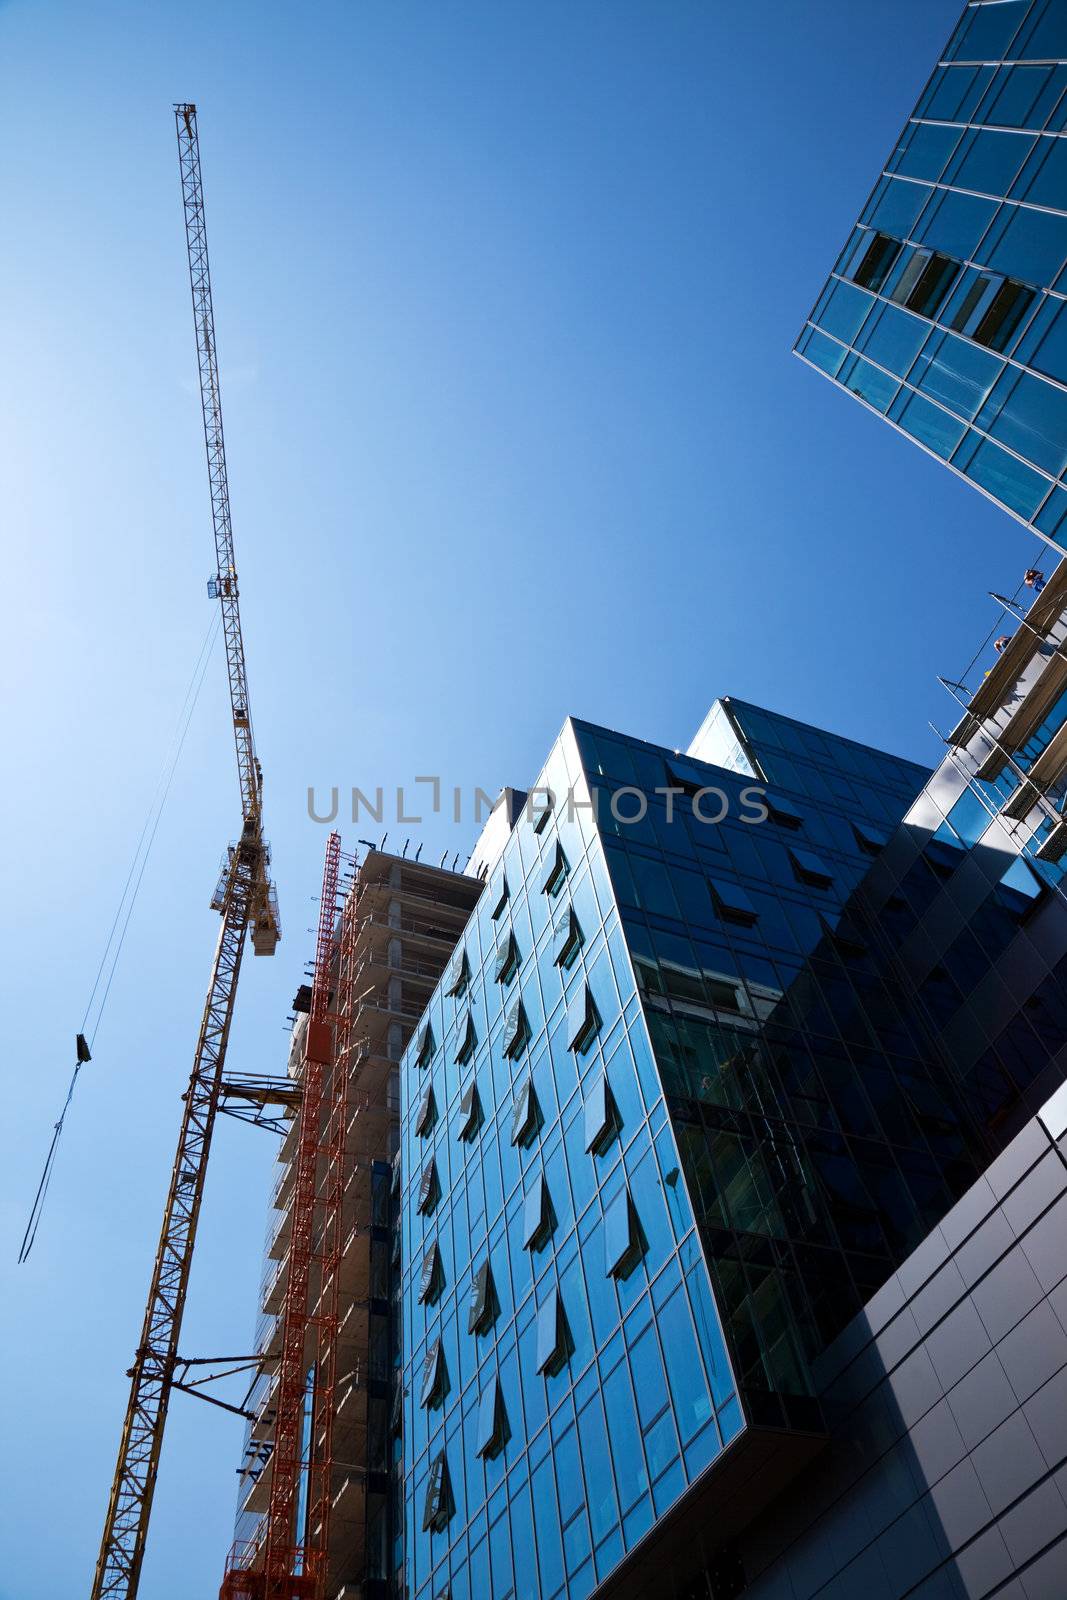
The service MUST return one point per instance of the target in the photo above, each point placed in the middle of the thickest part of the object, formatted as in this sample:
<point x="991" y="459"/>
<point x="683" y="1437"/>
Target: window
<point x="554" y="1342"/>
<point x="432" y="1280"/>
<point x="470" y="1112"/>
<point x="583" y="1021"/>
<point x="538" y="1218"/>
<point x="876" y="261"/>
<point x="984" y="33"/>
<point x="624" y="1242"/>
<point x="925" y="282"/>
<point x="989" y="158"/>
<point x="822" y="352"/>
<point x="458" y="974"/>
<point x="527" y="1117"/>
<point x="544" y="811"/>
<point x="516" y="1029"/>
<point x="1006" y="310"/>
<point x="783" y="813"/>
<point x="969" y="304"/>
<point x="911" y="267"/>
<point x="427" y="1113"/>
<point x="492" y="1431"/>
<point x="693" y="780"/>
<point x="555" y="871"/>
<point x="893" y="338"/>
<point x="1003" y="475"/>
<point x="429" y="1188"/>
<point x="507" y="959"/>
<point x="438" y="1506"/>
<point x="843" y="937"/>
<point x="722" y="993"/>
<point x="396" y="1412"/>
<point x="954" y="223"/>
<point x="1030" y="245"/>
<point x="434" y="1376"/>
<point x="869" y="839"/>
<point x="944" y="857"/>
<point x="567" y="939"/>
<point x="732" y="903"/>
<point x="924" y="149"/>
<point x="498" y="896"/>
<point x="466" y="1040"/>
<point x="425" y="1045"/>
<point x="956" y="373"/>
<point x="927" y="423"/>
<point x="484" y="1304"/>
<point x="601" y="1117"/>
<point x="809" y="868"/>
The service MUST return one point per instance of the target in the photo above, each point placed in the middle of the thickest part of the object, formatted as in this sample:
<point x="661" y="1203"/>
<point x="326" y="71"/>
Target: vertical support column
<point x="328" y="1318"/>
<point x="292" y="1569"/>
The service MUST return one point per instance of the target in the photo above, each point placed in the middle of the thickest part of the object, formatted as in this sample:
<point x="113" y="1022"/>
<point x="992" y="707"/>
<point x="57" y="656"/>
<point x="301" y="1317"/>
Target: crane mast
<point x="245" y="898"/>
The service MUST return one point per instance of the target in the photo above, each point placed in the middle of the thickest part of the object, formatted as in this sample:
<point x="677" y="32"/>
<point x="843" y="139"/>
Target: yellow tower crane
<point x="245" y="897"/>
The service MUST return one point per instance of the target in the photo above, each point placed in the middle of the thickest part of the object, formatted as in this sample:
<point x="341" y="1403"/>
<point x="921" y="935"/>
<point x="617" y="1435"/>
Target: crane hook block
<point x="82" y="1048"/>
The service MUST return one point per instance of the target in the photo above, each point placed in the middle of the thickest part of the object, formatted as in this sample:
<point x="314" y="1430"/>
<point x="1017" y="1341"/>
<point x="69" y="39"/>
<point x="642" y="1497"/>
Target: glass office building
<point x="945" y="312"/>
<point x="666" y="1126"/>
<point x="946" y="1397"/>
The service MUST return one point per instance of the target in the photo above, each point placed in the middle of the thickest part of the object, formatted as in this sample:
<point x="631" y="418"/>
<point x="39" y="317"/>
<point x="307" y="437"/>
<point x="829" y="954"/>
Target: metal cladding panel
<point x="320" y="1042"/>
<point x="968" y="1376"/>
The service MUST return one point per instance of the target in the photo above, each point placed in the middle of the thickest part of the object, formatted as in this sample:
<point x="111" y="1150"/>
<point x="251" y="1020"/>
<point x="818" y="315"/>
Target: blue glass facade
<point x="945" y="312"/>
<point x="656" y="1149"/>
<point x="550" y="1254"/>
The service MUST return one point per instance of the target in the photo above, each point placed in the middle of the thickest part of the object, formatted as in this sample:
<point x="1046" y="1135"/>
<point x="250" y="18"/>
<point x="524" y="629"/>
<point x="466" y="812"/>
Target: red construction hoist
<point x="294" y="1558"/>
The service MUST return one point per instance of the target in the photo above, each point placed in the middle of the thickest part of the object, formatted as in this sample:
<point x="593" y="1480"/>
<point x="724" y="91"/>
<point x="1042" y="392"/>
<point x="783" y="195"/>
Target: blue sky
<point x="505" y="297"/>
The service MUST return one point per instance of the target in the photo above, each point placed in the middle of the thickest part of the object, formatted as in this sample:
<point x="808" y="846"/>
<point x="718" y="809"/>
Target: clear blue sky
<point x="505" y="297"/>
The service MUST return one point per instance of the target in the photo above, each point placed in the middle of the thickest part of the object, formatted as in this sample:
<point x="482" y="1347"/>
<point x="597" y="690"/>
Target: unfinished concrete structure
<point x="399" y="924"/>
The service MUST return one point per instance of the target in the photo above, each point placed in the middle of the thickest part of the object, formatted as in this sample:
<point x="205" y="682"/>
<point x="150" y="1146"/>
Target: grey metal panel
<point x="1057" y="1299"/>
<point x="961" y="1504"/>
<point x="915" y="1386"/>
<point x="812" y="1563"/>
<point x="948" y="1399"/>
<point x="968" y="1213"/>
<point x="1037" y="1191"/>
<point x="1006" y="1294"/>
<point x="1034" y="1351"/>
<point x="937" y="1298"/>
<point x="900" y="1337"/>
<point x="940" y="1585"/>
<point x="1046" y="1412"/>
<point x="1012" y="1164"/>
<point x="984" y="1564"/>
<point x="1034" y="1523"/>
<point x="958" y="1344"/>
<point x="1008" y="1463"/>
<point x="982" y="1400"/>
<point x="908" y="1550"/>
<point x="1044" y="1580"/>
<point x="985" y="1246"/>
<point x="882" y="1307"/>
<point x="936" y="1441"/>
<point x="923" y="1262"/>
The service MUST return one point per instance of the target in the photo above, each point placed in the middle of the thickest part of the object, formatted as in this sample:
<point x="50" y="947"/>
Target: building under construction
<point x="326" y="1281"/>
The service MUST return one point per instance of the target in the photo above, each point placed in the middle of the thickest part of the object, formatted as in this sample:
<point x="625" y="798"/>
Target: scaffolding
<point x="398" y="925"/>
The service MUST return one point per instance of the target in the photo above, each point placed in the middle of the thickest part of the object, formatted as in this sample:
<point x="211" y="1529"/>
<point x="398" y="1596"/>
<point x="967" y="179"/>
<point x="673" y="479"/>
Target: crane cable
<point x="127" y="900"/>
